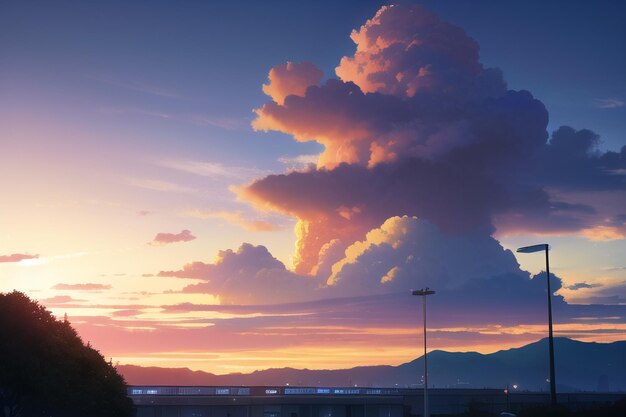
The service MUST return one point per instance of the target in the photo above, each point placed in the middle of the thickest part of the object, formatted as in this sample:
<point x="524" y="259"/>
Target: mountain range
<point x="580" y="366"/>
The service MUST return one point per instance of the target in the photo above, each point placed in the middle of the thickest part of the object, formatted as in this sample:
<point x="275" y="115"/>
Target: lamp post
<point x="424" y="292"/>
<point x="539" y="248"/>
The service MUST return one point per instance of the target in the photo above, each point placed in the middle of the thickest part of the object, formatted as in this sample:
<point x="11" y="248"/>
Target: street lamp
<point x="424" y="292"/>
<point x="539" y="248"/>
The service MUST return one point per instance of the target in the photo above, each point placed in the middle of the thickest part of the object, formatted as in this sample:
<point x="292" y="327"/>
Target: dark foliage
<point x="46" y="370"/>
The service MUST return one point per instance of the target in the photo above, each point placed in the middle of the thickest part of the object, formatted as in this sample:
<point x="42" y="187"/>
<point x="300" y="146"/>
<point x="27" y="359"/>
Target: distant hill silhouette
<point x="580" y="366"/>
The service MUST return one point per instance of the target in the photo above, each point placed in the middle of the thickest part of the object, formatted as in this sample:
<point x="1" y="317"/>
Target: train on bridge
<point x="287" y="401"/>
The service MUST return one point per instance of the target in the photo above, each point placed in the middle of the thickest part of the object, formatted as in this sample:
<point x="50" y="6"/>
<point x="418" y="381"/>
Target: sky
<point x="239" y="186"/>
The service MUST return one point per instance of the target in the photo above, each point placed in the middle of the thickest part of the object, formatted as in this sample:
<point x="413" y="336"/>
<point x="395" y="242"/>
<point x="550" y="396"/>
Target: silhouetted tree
<point x="46" y="370"/>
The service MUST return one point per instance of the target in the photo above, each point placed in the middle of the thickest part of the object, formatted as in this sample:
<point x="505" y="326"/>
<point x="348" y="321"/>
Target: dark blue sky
<point x="567" y="53"/>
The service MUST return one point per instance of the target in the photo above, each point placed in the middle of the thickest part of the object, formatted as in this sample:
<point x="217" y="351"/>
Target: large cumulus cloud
<point x="361" y="293"/>
<point x="402" y="253"/>
<point x="416" y="125"/>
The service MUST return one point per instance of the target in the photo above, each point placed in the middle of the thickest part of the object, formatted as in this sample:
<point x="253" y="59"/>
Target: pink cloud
<point x="292" y="78"/>
<point x="126" y="313"/>
<point x="82" y="287"/>
<point x="167" y="238"/>
<point x="17" y="257"/>
<point x="59" y="300"/>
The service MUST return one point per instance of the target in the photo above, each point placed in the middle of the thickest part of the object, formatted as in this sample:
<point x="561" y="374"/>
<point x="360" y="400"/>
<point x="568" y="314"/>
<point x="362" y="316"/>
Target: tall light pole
<point x="539" y="248"/>
<point x="424" y="292"/>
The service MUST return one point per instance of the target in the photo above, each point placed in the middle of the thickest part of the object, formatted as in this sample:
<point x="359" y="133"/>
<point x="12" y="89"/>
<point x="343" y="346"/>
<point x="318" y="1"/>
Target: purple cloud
<point x="167" y="238"/>
<point x="578" y="285"/>
<point x="250" y="275"/>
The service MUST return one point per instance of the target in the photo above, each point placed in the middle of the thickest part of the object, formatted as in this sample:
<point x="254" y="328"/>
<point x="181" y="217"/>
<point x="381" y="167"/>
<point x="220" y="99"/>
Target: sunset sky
<point x="231" y="186"/>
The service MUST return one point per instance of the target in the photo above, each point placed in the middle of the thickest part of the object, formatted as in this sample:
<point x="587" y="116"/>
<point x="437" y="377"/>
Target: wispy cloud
<point x="299" y="161"/>
<point x="603" y="233"/>
<point x="614" y="268"/>
<point x="158" y="185"/>
<point x="228" y="123"/>
<point x="138" y="86"/>
<point x="135" y="111"/>
<point x="237" y="218"/>
<point x="82" y="287"/>
<point x="608" y="103"/>
<point x="203" y="120"/>
<point x="212" y="169"/>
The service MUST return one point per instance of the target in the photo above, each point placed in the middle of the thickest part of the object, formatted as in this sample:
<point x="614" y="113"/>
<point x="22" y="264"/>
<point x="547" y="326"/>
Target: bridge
<point x="285" y="401"/>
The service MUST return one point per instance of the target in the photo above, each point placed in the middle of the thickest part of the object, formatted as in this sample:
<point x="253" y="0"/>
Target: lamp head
<point x="424" y="291"/>
<point x="534" y="248"/>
